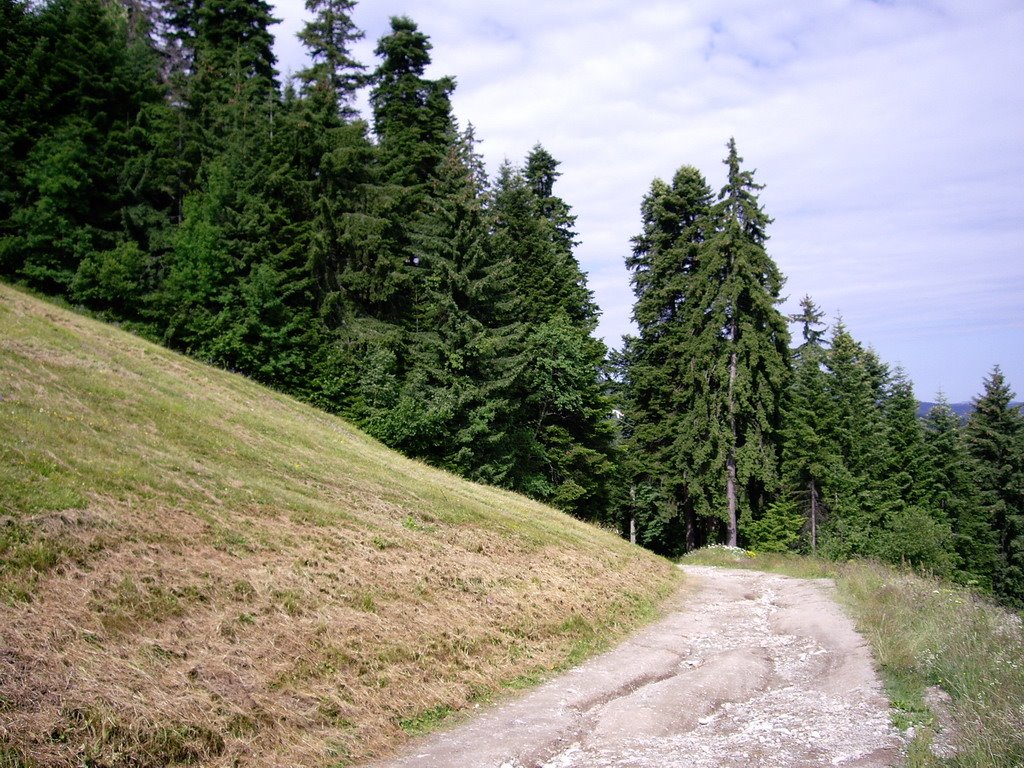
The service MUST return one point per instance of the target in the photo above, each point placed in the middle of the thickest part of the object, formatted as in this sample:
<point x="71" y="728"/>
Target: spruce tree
<point x="954" y="492"/>
<point x="995" y="439"/>
<point x="809" y="456"/>
<point x="79" y="185"/>
<point x="554" y="419"/>
<point x="812" y="326"/>
<point x="658" y="377"/>
<point x="229" y="84"/>
<point x="415" y="131"/>
<point x="740" y="355"/>
<point x="853" y="497"/>
<point x="709" y="369"/>
<point x="916" y="529"/>
<point x="444" y="413"/>
<point x="334" y="76"/>
<point x="20" y="114"/>
<point x="411" y="115"/>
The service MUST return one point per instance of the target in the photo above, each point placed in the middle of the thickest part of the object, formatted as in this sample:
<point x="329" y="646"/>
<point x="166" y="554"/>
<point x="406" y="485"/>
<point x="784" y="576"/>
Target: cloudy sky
<point x="889" y="135"/>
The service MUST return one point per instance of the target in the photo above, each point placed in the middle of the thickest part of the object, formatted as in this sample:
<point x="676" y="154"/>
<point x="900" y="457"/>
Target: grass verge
<point x="952" y="662"/>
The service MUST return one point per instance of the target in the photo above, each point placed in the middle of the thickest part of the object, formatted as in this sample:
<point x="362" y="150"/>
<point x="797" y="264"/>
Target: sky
<point x="889" y="135"/>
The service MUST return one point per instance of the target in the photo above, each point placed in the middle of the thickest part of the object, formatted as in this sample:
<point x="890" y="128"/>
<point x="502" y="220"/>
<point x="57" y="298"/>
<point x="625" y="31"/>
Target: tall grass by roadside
<point x="926" y="633"/>
<point x="952" y="662"/>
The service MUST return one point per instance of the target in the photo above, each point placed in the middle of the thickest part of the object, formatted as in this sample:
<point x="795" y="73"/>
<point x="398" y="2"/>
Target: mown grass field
<point x="195" y="570"/>
<point x="952" y="662"/>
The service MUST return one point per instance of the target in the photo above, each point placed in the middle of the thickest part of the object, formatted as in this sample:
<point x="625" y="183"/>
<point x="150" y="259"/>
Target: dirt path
<point x="754" y="670"/>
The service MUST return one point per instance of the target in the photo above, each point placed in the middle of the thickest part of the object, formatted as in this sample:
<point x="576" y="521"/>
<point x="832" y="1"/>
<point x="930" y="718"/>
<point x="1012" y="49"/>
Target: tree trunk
<point x="632" y="514"/>
<point x="814" y="517"/>
<point x="730" y="462"/>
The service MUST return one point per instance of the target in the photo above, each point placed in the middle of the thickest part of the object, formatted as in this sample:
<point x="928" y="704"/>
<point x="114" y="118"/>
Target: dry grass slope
<point x="195" y="570"/>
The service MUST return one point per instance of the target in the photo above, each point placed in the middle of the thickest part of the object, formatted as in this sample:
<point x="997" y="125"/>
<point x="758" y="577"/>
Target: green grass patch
<point x="425" y="721"/>
<point x="12" y="757"/>
<point x="142" y="743"/>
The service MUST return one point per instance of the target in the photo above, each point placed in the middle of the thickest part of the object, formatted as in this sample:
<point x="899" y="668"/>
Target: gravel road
<point x="753" y="669"/>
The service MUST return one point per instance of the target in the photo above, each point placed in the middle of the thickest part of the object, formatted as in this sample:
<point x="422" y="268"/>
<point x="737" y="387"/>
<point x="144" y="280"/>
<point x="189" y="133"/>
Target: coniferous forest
<point x="158" y="173"/>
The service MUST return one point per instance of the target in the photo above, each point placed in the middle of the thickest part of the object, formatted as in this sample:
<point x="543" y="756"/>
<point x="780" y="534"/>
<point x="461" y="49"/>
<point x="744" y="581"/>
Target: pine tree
<point x="709" y="369"/>
<point x="334" y="76"/>
<point x="658" y="378"/>
<point x="541" y="173"/>
<point x="908" y="471"/>
<point x="809" y="456"/>
<point x="444" y="413"/>
<point x="739" y="350"/>
<point x="234" y="43"/>
<point x="532" y="231"/>
<point x="812" y="326"/>
<point x="853" y="495"/>
<point x="555" y="418"/>
<point x="916" y="530"/>
<point x="995" y="436"/>
<point x="20" y="112"/>
<point x="411" y="115"/>
<point x="77" y="150"/>
<point x="415" y="130"/>
<point x="230" y="83"/>
<point x="954" y="491"/>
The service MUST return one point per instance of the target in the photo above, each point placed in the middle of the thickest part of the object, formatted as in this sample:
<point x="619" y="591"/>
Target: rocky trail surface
<point x="753" y="669"/>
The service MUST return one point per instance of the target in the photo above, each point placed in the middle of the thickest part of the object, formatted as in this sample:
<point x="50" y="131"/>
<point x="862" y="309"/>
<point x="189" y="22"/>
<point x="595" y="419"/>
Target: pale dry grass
<point x="198" y="571"/>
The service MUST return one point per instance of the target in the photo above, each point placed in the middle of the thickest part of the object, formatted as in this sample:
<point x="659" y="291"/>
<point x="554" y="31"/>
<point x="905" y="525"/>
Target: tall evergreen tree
<point x="411" y="115"/>
<point x="954" y="492"/>
<point x="995" y="439"/>
<point x="555" y="423"/>
<point x="917" y="530"/>
<point x="334" y="76"/>
<point x="444" y="413"/>
<point x="853" y="498"/>
<point x="415" y="130"/>
<point x="809" y="456"/>
<point x="230" y="82"/>
<point x="76" y="150"/>
<point x="740" y="344"/>
<point x="233" y="38"/>
<point x="812" y="326"/>
<point x="708" y="371"/>
<point x="658" y="377"/>
<point x="20" y="112"/>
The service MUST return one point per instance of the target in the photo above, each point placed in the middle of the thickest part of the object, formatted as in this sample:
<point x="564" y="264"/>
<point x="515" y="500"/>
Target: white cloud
<point x="890" y="138"/>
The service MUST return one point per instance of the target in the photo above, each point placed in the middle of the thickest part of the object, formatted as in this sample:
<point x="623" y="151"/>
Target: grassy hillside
<point x="196" y="570"/>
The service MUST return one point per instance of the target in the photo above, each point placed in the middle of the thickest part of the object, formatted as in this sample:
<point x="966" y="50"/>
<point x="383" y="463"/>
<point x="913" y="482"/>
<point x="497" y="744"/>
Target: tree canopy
<point x="156" y="171"/>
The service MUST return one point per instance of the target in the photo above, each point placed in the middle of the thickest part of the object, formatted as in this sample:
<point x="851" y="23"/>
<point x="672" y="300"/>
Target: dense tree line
<point x="157" y="171"/>
<point x="734" y="435"/>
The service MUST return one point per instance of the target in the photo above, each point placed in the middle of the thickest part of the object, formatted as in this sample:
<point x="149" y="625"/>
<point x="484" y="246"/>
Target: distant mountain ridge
<point x="963" y="410"/>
